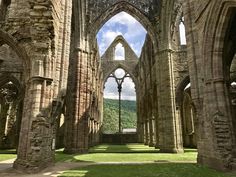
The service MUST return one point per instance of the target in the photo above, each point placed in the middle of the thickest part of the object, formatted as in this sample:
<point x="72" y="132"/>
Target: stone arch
<point x="122" y="6"/>
<point x="216" y="96"/>
<point x="6" y="38"/>
<point x="128" y="51"/>
<point x="5" y="78"/>
<point x="176" y="21"/>
<point x="216" y="32"/>
<point x="11" y="101"/>
<point x="106" y="75"/>
<point x="179" y="90"/>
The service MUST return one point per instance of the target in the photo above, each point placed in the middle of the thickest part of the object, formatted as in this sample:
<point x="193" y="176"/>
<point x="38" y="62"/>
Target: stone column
<point x="76" y="124"/>
<point x="150" y="122"/>
<point x="3" y="116"/>
<point x="169" y="123"/>
<point x="35" y="150"/>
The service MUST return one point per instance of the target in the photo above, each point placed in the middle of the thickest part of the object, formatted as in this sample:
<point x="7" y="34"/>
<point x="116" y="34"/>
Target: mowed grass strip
<point x="127" y="153"/>
<point x="146" y="170"/>
<point x="7" y="154"/>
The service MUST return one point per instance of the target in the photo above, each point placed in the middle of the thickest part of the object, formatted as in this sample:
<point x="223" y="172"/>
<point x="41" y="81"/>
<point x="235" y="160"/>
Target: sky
<point x="125" y="25"/>
<point x="135" y="34"/>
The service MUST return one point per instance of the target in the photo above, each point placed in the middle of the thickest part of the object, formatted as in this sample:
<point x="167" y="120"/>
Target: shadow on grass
<point x="125" y="148"/>
<point x="145" y="170"/>
<point x="7" y="151"/>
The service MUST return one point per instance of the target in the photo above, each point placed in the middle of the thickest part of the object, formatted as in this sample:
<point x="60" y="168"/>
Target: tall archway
<point x="14" y="72"/>
<point x="119" y="117"/>
<point x="11" y="103"/>
<point x="123" y="6"/>
<point x="187" y="113"/>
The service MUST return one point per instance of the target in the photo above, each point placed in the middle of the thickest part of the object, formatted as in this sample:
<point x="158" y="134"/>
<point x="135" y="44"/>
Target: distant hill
<point x="111" y="115"/>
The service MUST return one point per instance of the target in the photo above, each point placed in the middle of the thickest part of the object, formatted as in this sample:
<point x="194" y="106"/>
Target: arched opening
<point x="182" y="32"/>
<point x="11" y="93"/>
<point x="119" y="52"/>
<point x="121" y="24"/>
<point x="119" y="106"/>
<point x="11" y="114"/>
<point x="13" y="74"/>
<point x="229" y="59"/>
<point x="187" y="111"/>
<point x="128" y="25"/>
<point x="188" y="118"/>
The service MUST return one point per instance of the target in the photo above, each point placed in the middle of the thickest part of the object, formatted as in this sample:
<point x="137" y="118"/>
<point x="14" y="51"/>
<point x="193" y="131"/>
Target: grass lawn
<point x="126" y="153"/>
<point x="7" y="154"/>
<point x="147" y="170"/>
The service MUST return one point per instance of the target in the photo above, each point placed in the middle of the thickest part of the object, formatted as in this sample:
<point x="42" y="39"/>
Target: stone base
<point x="75" y="151"/>
<point x="151" y="144"/>
<point x="214" y="163"/>
<point x="171" y="150"/>
<point x="233" y="166"/>
<point x="29" y="167"/>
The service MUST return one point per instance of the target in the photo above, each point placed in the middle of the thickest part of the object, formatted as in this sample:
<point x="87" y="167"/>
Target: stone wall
<point x="38" y="31"/>
<point x="209" y="60"/>
<point x="109" y="64"/>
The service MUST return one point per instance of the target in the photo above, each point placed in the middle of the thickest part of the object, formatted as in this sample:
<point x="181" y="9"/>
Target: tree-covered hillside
<point x="111" y="115"/>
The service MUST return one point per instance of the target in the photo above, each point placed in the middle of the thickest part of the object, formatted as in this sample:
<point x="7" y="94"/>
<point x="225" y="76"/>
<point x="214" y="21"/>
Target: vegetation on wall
<point x="111" y="115"/>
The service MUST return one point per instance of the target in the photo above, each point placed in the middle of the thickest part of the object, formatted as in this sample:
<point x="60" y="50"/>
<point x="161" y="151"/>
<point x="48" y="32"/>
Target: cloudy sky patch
<point x="125" y="25"/>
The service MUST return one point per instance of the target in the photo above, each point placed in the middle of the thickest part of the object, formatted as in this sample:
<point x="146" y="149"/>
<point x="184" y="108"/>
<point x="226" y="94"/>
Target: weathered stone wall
<point x="109" y="64"/>
<point x="84" y="92"/>
<point x="97" y="7"/>
<point x="152" y="104"/>
<point x="207" y="24"/>
<point x="38" y="31"/>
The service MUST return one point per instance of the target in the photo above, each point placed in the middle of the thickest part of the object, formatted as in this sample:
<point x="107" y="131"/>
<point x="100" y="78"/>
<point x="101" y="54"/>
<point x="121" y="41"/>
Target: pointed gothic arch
<point x="119" y="66"/>
<point x="6" y="38"/>
<point x="122" y="6"/>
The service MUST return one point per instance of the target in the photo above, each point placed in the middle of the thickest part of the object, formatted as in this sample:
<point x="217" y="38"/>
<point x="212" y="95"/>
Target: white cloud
<point x="128" y="89"/>
<point x="122" y="18"/>
<point x="131" y="29"/>
<point x="107" y="38"/>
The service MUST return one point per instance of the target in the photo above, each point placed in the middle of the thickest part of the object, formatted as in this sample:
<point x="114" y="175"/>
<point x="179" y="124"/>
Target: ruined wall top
<point x="110" y="64"/>
<point x="97" y="7"/>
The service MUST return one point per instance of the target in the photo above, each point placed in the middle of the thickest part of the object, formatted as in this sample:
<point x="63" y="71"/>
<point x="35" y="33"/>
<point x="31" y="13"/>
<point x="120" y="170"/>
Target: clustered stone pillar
<point x="82" y="122"/>
<point x="157" y="110"/>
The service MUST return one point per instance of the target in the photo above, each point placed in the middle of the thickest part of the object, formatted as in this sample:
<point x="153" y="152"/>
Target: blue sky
<point x="125" y="25"/>
<point x="135" y="34"/>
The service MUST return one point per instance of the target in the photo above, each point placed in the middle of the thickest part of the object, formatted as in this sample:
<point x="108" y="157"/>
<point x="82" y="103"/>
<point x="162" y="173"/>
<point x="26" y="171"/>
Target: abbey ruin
<point x="52" y="77"/>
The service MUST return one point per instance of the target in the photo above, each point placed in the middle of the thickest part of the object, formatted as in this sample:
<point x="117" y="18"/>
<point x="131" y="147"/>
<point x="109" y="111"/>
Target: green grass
<point x="106" y="148"/>
<point x="146" y="170"/>
<point x="126" y="153"/>
<point x="7" y="154"/>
